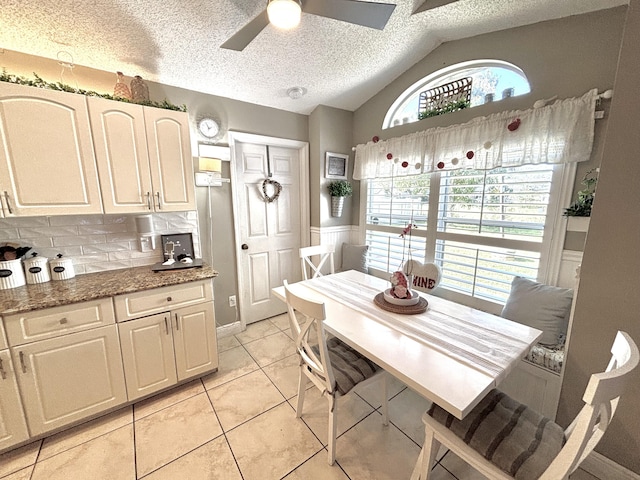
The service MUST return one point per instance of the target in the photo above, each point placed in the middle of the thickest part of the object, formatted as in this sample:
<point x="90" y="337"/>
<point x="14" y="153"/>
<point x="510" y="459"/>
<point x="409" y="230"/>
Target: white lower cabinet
<point x="69" y="378"/>
<point x="13" y="426"/>
<point x="147" y="354"/>
<point x="62" y="365"/>
<point x="160" y="350"/>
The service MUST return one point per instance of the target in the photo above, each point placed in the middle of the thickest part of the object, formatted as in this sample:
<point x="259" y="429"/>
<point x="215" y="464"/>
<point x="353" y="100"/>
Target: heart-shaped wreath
<point x="277" y="188"/>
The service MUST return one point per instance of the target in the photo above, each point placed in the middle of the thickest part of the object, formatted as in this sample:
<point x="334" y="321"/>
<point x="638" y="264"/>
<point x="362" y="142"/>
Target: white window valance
<point x="558" y="133"/>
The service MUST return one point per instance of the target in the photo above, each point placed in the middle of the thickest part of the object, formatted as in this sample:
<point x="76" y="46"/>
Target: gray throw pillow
<point x="354" y="257"/>
<point x="539" y="306"/>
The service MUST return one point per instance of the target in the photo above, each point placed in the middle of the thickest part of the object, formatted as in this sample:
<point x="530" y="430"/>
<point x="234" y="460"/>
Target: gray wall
<point x="330" y="131"/>
<point x="608" y="297"/>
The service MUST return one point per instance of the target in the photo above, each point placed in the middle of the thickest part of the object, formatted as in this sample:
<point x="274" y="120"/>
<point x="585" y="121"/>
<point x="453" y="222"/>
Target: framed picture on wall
<point x="336" y="165"/>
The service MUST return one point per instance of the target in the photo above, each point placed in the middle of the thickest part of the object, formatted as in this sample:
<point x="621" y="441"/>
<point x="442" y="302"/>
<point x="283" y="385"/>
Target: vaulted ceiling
<point x="177" y="42"/>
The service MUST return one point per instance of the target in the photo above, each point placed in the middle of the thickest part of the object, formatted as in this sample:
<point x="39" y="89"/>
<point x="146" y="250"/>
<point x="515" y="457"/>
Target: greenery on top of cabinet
<point x="40" y="83"/>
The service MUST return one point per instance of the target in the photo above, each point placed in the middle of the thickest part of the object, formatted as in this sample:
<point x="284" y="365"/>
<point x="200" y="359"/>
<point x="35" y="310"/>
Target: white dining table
<point x="451" y="354"/>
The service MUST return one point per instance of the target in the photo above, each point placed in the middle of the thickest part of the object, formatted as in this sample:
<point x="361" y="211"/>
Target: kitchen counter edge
<point x="92" y="286"/>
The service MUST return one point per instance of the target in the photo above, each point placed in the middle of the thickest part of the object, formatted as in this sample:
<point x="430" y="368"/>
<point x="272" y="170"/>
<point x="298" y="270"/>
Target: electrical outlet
<point x="232" y="300"/>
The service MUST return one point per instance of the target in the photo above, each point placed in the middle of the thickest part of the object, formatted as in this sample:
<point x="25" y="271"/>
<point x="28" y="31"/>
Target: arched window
<point x="492" y="80"/>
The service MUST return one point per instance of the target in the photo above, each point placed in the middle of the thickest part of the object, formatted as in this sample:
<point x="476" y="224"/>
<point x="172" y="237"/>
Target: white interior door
<point x="268" y="232"/>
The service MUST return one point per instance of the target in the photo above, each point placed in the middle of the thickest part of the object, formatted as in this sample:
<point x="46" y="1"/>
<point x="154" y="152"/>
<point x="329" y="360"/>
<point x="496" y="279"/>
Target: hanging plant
<point x="582" y="206"/>
<point x="61" y="87"/>
<point x="340" y="188"/>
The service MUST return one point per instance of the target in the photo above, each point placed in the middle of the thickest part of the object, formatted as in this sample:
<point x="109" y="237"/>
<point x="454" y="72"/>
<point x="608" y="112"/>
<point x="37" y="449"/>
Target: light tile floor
<point x="239" y="424"/>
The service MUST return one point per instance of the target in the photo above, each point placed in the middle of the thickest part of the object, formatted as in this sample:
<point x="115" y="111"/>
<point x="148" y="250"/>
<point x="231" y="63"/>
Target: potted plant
<point x="338" y="190"/>
<point x="582" y="206"/>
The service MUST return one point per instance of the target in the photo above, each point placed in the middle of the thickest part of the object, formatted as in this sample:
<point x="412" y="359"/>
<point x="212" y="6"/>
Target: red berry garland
<point x="513" y="126"/>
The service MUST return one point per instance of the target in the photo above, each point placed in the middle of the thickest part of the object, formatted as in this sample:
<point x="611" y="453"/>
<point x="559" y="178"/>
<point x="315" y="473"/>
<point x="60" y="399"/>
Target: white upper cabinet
<point x="169" y="146"/>
<point x="47" y="165"/>
<point x="144" y="157"/>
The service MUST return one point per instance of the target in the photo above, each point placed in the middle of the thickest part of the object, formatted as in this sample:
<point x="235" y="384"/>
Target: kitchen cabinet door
<point x="194" y="340"/>
<point x="47" y="163"/>
<point x="13" y="426"/>
<point x="147" y="353"/>
<point x="121" y="152"/>
<point x="172" y="172"/>
<point x="69" y="378"/>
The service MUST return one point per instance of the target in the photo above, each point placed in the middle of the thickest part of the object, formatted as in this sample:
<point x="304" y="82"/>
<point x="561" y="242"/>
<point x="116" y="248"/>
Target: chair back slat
<point x="601" y="400"/>
<point x="319" y="368"/>
<point x="313" y="259"/>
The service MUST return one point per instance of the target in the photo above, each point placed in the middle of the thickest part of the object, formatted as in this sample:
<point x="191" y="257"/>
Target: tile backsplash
<point x="96" y="242"/>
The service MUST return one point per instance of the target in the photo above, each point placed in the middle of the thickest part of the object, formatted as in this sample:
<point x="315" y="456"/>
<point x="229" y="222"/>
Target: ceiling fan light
<point x="284" y="14"/>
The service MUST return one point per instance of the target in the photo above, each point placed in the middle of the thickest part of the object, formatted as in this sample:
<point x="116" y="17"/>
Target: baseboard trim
<point x="228" y="330"/>
<point x="604" y="468"/>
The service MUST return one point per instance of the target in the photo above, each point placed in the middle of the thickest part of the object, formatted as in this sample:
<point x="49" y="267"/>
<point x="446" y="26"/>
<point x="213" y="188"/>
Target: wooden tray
<point x="419" y="307"/>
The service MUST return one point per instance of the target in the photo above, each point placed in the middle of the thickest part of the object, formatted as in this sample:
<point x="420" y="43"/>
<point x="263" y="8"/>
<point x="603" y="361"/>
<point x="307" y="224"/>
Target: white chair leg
<point x="302" y="383"/>
<point x="415" y="475"/>
<point x="385" y="399"/>
<point x="427" y="457"/>
<point x="333" y="429"/>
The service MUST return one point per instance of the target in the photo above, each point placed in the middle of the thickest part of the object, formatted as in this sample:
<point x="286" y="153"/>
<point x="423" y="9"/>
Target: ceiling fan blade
<point x="367" y="14"/>
<point x="246" y="34"/>
<point x="431" y="4"/>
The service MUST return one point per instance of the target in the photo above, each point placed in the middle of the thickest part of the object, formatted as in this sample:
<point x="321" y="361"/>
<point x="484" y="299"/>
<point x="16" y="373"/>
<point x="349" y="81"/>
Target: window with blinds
<point x="487" y="226"/>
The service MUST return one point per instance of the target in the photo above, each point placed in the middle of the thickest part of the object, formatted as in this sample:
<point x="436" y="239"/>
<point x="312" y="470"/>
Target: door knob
<point x="245" y="246"/>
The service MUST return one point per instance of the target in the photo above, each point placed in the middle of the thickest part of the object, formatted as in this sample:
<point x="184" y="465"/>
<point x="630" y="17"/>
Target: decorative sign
<point x="426" y="276"/>
<point x="336" y="165"/>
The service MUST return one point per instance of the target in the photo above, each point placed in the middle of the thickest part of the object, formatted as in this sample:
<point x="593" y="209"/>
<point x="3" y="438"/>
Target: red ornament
<point x="513" y="126"/>
<point x="389" y="156"/>
<point x="405" y="164"/>
<point x="376" y="139"/>
<point x="440" y="165"/>
<point x="470" y="154"/>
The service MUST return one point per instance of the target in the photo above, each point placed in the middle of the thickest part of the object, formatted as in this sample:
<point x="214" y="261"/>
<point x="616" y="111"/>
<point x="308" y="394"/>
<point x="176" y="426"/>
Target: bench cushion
<point x="354" y="257"/>
<point x="514" y="437"/>
<point x="550" y="357"/>
<point x="540" y="306"/>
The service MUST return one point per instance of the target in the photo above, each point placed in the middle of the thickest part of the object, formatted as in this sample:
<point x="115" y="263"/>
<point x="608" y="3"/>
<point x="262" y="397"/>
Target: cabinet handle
<point x="24" y="365"/>
<point x="63" y="320"/>
<point x="6" y="199"/>
<point x="177" y="324"/>
<point x="2" y="372"/>
<point x="166" y="325"/>
<point x="149" y="200"/>
<point x="169" y="299"/>
<point x="158" y="195"/>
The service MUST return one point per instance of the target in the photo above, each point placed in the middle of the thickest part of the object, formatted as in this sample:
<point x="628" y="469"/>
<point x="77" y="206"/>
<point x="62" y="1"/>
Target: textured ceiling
<point x="177" y="42"/>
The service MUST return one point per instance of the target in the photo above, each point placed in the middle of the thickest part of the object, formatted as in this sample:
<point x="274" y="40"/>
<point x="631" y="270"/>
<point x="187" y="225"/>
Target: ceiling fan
<point x="431" y="4"/>
<point x="367" y="14"/>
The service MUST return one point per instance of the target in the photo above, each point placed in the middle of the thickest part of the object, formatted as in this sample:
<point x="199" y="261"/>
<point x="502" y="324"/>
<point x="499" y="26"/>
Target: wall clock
<point x="208" y="127"/>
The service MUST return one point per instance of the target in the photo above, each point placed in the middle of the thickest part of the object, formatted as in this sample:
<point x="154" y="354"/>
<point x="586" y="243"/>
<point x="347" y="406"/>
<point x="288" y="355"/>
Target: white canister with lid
<point x="11" y="274"/>
<point x="36" y="269"/>
<point x="61" y="268"/>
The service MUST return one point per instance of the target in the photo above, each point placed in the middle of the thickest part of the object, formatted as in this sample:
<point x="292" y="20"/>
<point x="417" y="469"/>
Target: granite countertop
<point x="92" y="286"/>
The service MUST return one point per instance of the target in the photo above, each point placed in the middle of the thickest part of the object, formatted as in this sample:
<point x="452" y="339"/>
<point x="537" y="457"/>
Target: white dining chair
<point x="313" y="259"/>
<point x="504" y="439"/>
<point x="330" y="364"/>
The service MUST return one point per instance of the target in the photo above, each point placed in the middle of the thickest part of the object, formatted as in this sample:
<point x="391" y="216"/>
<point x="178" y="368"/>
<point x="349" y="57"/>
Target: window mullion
<point x="432" y="217"/>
